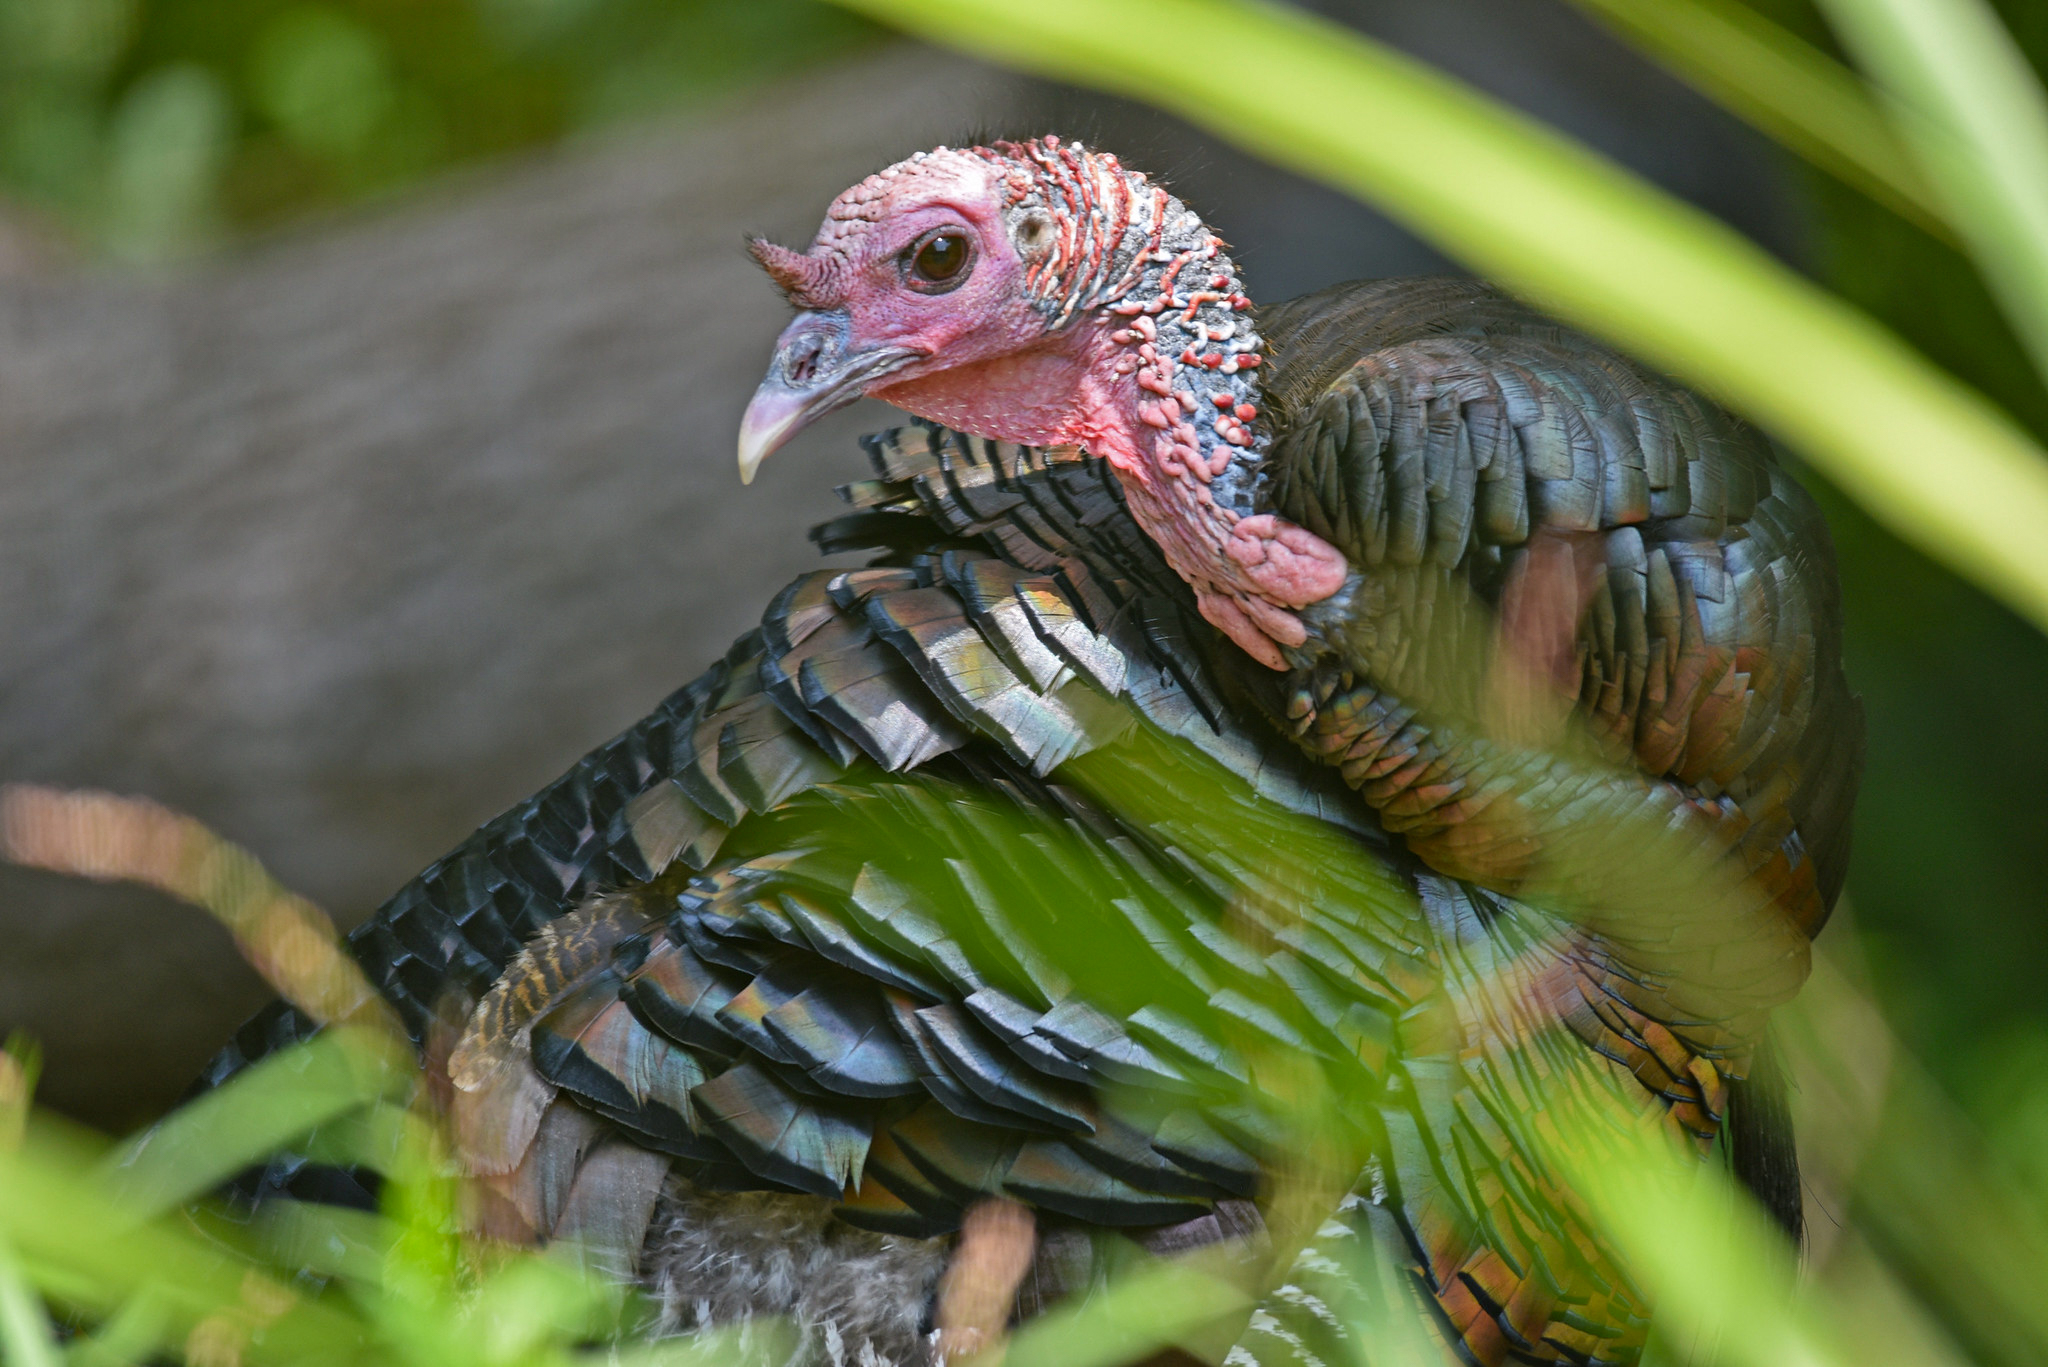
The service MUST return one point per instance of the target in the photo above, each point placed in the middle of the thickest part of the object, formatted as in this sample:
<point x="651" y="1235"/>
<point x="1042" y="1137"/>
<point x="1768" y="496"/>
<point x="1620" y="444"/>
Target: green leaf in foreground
<point x="1974" y="113"/>
<point x="1577" y="235"/>
<point x="25" y="1334"/>
<point x="205" y="1143"/>
<point x="1143" y="1312"/>
<point x="1719" y="1273"/>
<point x="1784" y="85"/>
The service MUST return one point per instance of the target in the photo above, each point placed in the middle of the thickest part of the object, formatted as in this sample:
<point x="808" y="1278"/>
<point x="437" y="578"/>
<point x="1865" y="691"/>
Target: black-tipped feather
<point x="838" y="1031"/>
<point x="781" y="1134"/>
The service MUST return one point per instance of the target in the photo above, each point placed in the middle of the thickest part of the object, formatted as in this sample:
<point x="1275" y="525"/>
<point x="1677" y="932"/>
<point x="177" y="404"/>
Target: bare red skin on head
<point x="856" y="264"/>
<point x="995" y="367"/>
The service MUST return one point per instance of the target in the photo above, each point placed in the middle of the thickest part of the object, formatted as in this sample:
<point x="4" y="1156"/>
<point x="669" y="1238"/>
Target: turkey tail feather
<point x="1760" y="1141"/>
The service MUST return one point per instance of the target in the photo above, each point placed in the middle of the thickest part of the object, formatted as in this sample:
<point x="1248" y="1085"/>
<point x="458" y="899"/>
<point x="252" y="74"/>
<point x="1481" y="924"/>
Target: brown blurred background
<point x="368" y="379"/>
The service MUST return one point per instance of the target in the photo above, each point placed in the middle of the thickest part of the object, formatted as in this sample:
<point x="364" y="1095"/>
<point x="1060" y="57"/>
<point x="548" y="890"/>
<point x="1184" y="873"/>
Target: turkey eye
<point x="939" y="262"/>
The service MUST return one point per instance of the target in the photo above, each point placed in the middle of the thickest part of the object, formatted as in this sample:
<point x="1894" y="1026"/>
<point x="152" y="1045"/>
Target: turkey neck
<point x="1188" y="444"/>
<point x="1184" y="434"/>
<point x="1158" y="374"/>
<point x="1185" y="342"/>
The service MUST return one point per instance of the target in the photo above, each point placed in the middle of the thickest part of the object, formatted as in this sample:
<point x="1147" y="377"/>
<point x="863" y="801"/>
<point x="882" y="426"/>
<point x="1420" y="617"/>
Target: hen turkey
<point x="1391" y="682"/>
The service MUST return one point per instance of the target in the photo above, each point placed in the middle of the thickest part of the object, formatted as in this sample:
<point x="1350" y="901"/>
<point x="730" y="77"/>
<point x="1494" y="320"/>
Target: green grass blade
<point x="1974" y="112"/>
<point x="201" y="1145"/>
<point x="757" y="1343"/>
<point x="80" y="1242"/>
<point x="132" y="1334"/>
<point x="327" y="1241"/>
<point x="1925" y="454"/>
<point x="26" y="1339"/>
<point x="1781" y="83"/>
<point x="1952" y="1219"/>
<point x="1719" y="1275"/>
<point x="1141" y="1313"/>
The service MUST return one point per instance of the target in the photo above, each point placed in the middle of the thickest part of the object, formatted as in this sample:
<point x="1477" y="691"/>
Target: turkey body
<point x="992" y="869"/>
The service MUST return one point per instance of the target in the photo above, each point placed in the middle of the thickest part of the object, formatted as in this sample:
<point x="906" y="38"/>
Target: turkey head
<point x="1042" y="293"/>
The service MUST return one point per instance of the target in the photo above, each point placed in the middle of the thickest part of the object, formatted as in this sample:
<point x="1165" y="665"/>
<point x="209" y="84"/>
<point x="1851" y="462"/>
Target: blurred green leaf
<point x="376" y="1136"/>
<point x="166" y="150"/>
<point x="760" y="1341"/>
<point x="327" y="1241"/>
<point x="80" y="1242"/>
<point x="518" y="22"/>
<point x="1575" y="234"/>
<point x="1880" y="1319"/>
<point x="1784" y="85"/>
<point x="1718" y="1272"/>
<point x="533" y="1301"/>
<point x="68" y="37"/>
<point x="1148" y="1309"/>
<point x="1957" y="1223"/>
<point x="26" y="1339"/>
<point x="1910" y="1183"/>
<point x="130" y="1335"/>
<point x="283" y="1097"/>
<point x="322" y="78"/>
<point x="1972" y="109"/>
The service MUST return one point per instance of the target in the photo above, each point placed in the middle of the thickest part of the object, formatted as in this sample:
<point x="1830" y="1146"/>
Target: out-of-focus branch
<point x="110" y="838"/>
<point x="996" y="1244"/>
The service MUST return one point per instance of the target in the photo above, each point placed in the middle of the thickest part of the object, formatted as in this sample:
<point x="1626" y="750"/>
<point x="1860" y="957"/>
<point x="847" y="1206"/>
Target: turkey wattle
<point x="1345" y="672"/>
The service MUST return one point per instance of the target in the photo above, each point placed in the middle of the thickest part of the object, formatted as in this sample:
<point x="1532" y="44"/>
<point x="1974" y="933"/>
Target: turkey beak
<point x="816" y="370"/>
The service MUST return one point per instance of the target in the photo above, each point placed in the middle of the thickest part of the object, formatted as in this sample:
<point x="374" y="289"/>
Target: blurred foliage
<point x="1794" y="90"/>
<point x="112" y="1253"/>
<point x="304" y="1284"/>
<point x="142" y="128"/>
<point x="297" y="1284"/>
<point x="146" y="127"/>
<point x="1952" y="827"/>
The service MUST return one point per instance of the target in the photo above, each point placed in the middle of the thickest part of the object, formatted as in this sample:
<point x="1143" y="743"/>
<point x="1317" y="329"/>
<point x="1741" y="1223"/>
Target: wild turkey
<point x="1339" y="675"/>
